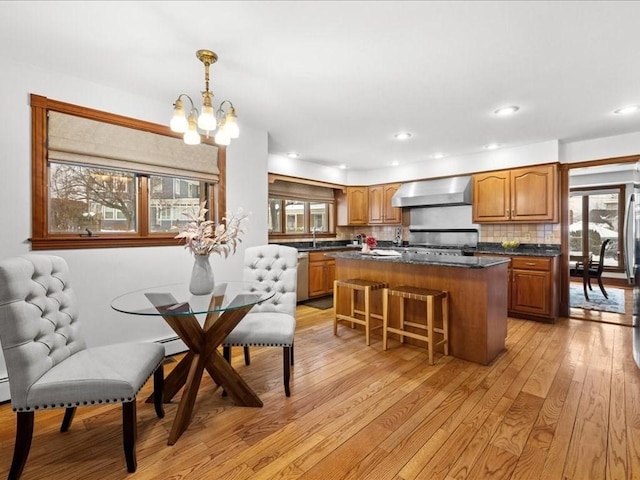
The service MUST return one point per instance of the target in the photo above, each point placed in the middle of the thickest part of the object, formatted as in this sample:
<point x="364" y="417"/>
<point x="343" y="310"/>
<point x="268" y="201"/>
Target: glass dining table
<point x="202" y="322"/>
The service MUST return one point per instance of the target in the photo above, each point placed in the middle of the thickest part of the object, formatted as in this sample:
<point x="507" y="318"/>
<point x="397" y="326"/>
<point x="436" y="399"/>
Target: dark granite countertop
<point x="328" y="246"/>
<point x="529" y="250"/>
<point x="426" y="259"/>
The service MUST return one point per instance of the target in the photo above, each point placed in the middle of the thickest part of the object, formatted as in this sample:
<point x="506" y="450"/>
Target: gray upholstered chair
<point x="48" y="363"/>
<point x="271" y="323"/>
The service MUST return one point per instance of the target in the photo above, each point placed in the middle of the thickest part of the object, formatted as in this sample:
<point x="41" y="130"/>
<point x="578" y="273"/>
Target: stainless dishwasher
<point x="303" y="276"/>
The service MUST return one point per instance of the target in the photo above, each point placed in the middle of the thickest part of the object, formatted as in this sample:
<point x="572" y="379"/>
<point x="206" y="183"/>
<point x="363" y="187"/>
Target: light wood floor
<point x="562" y="402"/>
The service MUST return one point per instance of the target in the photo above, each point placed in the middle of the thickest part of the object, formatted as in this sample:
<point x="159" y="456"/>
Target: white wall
<point x="600" y="148"/>
<point x="99" y="275"/>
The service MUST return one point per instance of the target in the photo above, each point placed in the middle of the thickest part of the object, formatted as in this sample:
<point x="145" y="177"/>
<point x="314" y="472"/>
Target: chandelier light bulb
<point x="222" y="138"/>
<point x="231" y="123"/>
<point x="191" y="136"/>
<point x="207" y="119"/>
<point x="179" y="121"/>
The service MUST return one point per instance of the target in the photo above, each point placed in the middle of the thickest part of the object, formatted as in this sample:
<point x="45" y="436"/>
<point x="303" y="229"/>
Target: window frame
<point x="41" y="239"/>
<point x="584" y="193"/>
<point x="331" y="218"/>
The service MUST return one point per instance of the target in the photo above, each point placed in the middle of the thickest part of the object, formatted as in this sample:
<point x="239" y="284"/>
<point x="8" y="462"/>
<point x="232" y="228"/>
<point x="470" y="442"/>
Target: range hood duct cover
<point x="434" y="193"/>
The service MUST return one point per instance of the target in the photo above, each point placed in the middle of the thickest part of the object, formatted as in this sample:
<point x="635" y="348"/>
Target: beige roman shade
<point x="78" y="140"/>
<point x="283" y="189"/>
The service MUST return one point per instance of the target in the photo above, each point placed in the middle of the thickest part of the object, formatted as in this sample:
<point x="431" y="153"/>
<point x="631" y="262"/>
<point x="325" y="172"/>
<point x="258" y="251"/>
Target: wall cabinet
<point x="528" y="194"/>
<point x="380" y="209"/>
<point x="322" y="273"/>
<point x="353" y="206"/>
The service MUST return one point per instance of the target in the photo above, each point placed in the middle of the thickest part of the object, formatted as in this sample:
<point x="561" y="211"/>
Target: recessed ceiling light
<point x="395" y="163"/>
<point x="626" y="110"/>
<point x="437" y="155"/>
<point x="343" y="166"/>
<point x="402" y="135"/>
<point x="507" y="110"/>
<point x="492" y="146"/>
<point x="293" y="155"/>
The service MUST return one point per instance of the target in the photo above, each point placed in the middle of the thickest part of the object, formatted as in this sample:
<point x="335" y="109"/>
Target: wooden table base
<point x="203" y="355"/>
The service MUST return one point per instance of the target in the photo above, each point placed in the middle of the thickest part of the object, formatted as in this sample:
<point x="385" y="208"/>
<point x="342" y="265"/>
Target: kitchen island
<point x="477" y="289"/>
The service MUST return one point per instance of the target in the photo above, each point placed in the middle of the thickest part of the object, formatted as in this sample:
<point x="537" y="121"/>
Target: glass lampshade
<point x="207" y="119"/>
<point x="191" y="136"/>
<point x="222" y="138"/>
<point x="179" y="121"/>
<point x="231" y="126"/>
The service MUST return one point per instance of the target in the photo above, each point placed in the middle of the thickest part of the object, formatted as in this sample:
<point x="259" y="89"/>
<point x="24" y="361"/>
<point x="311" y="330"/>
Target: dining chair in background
<point x="273" y="322"/>
<point x="592" y="272"/>
<point x="49" y="364"/>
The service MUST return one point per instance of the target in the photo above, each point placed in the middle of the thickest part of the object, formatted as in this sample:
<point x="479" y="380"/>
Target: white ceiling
<point x="335" y="80"/>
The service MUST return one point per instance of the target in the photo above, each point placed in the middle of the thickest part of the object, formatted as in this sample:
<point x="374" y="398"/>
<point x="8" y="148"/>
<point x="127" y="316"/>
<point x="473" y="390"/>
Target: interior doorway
<point x="596" y="209"/>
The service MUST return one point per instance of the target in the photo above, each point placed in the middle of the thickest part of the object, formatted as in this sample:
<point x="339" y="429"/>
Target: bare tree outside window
<point x="91" y="199"/>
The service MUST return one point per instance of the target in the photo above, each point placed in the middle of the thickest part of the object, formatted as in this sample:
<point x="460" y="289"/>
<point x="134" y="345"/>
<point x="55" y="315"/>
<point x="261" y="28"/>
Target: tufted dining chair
<point x="273" y="322"/>
<point x="48" y="362"/>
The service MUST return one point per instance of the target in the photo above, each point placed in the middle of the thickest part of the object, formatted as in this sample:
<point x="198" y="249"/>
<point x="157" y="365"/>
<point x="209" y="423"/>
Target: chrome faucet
<point x="313" y="233"/>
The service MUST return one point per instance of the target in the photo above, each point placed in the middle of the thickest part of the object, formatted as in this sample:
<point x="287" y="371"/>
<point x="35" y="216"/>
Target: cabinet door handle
<point x="513" y="214"/>
<point x="530" y="264"/>
<point x="508" y="214"/>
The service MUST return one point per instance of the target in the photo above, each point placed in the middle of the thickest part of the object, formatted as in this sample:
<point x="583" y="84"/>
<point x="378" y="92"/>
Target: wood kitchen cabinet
<point x="528" y="194"/>
<point x="380" y="209"/>
<point x="532" y="287"/>
<point x="353" y="206"/>
<point x="322" y="273"/>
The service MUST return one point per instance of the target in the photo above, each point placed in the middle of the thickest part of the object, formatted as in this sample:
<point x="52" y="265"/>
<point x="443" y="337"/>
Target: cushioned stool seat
<point x="360" y="316"/>
<point x="422" y="295"/>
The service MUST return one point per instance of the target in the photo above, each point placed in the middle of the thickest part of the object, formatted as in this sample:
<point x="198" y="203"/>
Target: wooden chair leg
<point x="247" y="357"/>
<point x="291" y="354"/>
<point x="129" y="434"/>
<point x="286" y="363"/>
<point x="584" y="287"/>
<point x="602" y="288"/>
<point x="69" y="413"/>
<point x="226" y="353"/>
<point x="158" y="390"/>
<point x="24" y="434"/>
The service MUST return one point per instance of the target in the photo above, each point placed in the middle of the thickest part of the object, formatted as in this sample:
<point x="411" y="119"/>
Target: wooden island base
<point x="477" y="300"/>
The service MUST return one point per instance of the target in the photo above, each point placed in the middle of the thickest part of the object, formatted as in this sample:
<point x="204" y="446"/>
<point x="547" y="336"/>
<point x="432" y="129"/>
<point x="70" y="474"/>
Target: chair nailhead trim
<point x="77" y="404"/>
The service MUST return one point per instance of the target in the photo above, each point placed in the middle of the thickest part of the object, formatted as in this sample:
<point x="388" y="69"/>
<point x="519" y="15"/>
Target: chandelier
<point x="224" y="122"/>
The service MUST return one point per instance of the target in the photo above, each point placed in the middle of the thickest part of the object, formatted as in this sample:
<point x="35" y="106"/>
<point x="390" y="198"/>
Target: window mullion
<point x="143" y="205"/>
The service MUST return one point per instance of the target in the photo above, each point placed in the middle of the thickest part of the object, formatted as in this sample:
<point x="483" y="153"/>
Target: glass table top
<point x="177" y="300"/>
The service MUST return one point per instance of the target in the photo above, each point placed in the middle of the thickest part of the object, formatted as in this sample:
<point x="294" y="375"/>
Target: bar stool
<point x="421" y="295"/>
<point x="355" y="285"/>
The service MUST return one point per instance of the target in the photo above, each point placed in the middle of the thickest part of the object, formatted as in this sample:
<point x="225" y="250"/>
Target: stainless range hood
<point x="434" y="193"/>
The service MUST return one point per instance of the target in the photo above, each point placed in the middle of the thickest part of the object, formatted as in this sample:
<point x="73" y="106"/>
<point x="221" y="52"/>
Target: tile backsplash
<point x="534" y="233"/>
<point x="547" y="233"/>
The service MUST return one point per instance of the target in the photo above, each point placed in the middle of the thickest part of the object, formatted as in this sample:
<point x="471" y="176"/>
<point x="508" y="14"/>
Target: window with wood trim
<point x="595" y="215"/>
<point x="103" y="180"/>
<point x="299" y="209"/>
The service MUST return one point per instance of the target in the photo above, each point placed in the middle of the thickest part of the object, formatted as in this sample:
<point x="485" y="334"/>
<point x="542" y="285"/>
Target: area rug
<point x="613" y="304"/>
<point x="323" y="303"/>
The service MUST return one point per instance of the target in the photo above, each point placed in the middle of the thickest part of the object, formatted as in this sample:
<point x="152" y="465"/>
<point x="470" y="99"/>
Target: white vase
<point x="365" y="248"/>
<point x="202" y="281"/>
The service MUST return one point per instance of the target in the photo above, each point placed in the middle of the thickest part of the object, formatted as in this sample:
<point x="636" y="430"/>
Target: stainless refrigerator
<point x="632" y="260"/>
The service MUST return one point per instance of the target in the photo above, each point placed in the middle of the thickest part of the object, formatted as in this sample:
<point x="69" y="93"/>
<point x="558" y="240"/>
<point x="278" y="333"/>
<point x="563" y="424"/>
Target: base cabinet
<point x="533" y="287"/>
<point x="322" y="272"/>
